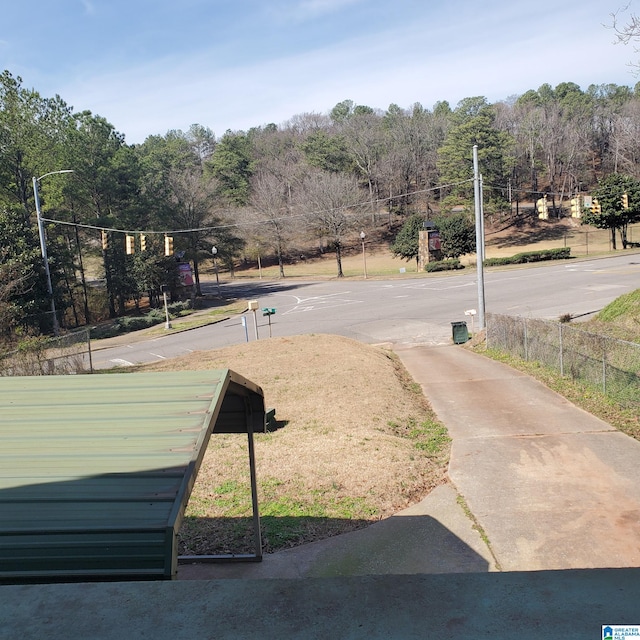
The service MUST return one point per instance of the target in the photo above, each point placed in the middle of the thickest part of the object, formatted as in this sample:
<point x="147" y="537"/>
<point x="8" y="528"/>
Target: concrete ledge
<point x="555" y="604"/>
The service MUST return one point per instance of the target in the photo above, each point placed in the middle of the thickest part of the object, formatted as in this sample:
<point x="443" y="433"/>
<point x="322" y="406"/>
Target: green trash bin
<point x="460" y="332"/>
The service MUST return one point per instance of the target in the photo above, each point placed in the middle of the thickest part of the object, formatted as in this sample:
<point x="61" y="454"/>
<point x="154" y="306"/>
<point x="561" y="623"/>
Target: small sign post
<point x="268" y="312"/>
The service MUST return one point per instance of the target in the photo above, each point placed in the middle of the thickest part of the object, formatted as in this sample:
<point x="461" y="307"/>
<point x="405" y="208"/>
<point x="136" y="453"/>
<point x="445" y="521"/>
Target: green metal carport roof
<point x="96" y="470"/>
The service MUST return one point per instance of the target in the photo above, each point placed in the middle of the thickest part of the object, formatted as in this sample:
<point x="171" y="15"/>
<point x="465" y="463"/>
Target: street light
<point x="364" y="255"/>
<point x="214" y="251"/>
<point x="43" y="245"/>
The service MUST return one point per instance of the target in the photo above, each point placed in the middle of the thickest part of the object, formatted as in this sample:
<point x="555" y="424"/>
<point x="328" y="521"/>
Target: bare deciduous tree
<point x="274" y="222"/>
<point x="332" y="203"/>
<point x="627" y="32"/>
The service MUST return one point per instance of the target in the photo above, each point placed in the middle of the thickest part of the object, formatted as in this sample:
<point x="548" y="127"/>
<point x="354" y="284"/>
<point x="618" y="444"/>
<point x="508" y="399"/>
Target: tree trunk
<point x="280" y="261"/>
<point x="83" y="279"/>
<point x="623" y="235"/>
<point x="339" y="259"/>
<point x="196" y="276"/>
<point x="107" y="276"/>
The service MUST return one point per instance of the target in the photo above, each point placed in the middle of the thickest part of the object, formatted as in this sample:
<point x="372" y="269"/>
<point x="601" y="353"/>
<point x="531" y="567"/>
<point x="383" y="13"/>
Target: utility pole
<point x="43" y="247"/>
<point x="477" y="194"/>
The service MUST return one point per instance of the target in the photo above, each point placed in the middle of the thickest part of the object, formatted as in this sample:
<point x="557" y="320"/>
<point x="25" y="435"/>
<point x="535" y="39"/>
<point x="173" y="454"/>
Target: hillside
<point x="355" y="441"/>
<point x="619" y="319"/>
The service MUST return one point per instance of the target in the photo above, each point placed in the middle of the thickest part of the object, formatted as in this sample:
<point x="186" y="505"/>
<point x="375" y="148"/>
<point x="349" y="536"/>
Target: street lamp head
<point x="51" y="173"/>
<point x="363" y="235"/>
<point x="214" y="250"/>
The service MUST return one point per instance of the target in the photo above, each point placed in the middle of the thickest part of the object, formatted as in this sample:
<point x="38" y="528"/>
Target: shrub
<point x="179" y="308"/>
<point x="135" y="323"/>
<point x="561" y="253"/>
<point x="443" y="265"/>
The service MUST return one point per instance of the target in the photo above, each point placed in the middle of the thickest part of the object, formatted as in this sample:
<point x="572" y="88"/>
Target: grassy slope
<point x="356" y="441"/>
<point x="620" y="319"/>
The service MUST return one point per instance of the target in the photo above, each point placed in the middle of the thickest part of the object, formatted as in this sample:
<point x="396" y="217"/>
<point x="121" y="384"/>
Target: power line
<point x="254" y="222"/>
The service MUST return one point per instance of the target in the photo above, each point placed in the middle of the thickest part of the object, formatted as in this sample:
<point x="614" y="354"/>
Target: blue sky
<point x="149" y="66"/>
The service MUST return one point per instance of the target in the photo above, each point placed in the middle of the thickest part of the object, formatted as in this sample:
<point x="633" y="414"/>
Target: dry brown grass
<point x="502" y="239"/>
<point x="357" y="442"/>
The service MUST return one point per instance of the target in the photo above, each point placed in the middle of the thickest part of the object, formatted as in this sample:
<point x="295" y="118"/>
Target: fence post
<point x="604" y="366"/>
<point x="561" y="353"/>
<point x="89" y="350"/>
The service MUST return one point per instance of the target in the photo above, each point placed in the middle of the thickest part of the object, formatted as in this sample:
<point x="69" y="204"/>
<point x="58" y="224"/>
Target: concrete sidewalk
<point x="551" y="486"/>
<point x="555" y="491"/>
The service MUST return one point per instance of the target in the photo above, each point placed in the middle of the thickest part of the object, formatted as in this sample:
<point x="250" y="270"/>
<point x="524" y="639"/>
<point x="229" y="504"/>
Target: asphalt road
<point x="404" y="310"/>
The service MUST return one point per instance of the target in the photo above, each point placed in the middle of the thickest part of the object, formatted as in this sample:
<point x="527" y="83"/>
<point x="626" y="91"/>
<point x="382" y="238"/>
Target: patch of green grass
<point x="476" y="525"/>
<point x="430" y="435"/>
<point x="316" y="514"/>
<point x="626" y="305"/>
<point x="620" y="319"/>
<point x="232" y="497"/>
<point x="221" y="522"/>
<point x="196" y="320"/>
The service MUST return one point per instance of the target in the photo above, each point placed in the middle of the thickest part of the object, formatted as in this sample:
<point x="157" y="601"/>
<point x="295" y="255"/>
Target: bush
<point x="104" y="331"/>
<point x="443" y="265"/>
<point x="179" y="308"/>
<point x="561" y="253"/>
<point x="135" y="323"/>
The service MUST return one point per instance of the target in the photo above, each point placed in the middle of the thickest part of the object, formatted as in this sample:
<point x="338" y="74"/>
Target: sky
<point x="151" y="66"/>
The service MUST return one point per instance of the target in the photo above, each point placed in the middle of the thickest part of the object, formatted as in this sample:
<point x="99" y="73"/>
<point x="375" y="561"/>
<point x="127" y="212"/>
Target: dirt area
<point x="355" y="441"/>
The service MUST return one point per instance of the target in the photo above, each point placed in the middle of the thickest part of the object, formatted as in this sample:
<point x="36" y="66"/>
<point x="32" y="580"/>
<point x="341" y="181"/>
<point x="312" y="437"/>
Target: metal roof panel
<point x="98" y="457"/>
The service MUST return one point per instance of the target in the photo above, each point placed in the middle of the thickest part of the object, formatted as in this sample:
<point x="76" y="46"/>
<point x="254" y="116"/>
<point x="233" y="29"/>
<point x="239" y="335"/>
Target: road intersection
<point x="407" y="310"/>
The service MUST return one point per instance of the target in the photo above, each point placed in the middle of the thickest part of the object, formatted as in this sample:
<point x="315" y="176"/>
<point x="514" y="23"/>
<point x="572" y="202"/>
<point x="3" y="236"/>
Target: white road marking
<point x="315" y="303"/>
<point x="157" y="355"/>
<point x="120" y="361"/>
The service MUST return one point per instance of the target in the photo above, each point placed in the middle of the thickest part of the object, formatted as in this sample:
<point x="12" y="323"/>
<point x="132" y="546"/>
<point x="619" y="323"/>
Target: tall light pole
<point x="477" y="196"/>
<point x="43" y="246"/>
<point x="363" y="235"/>
<point x="214" y="251"/>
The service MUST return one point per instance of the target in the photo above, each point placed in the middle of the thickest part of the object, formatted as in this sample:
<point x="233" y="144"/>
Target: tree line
<point x="275" y="191"/>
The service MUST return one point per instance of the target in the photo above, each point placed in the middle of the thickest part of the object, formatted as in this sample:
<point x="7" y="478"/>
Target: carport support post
<point x="254" y="495"/>
<point x="479" y="237"/>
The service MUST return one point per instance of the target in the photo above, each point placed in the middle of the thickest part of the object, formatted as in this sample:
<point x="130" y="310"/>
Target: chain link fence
<point x="611" y="365"/>
<point x="67" y="354"/>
